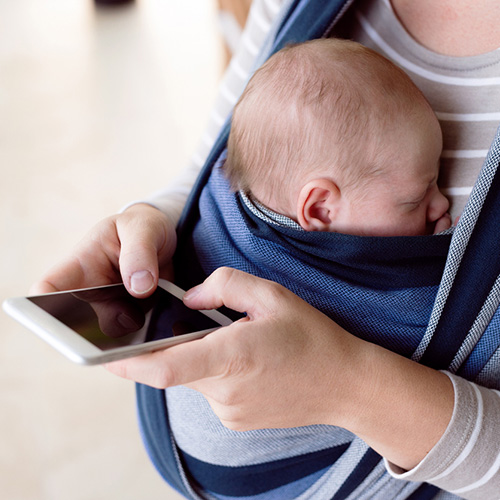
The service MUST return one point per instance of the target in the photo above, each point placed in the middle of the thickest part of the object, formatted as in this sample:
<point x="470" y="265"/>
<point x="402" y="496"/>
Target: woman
<point x="429" y="426"/>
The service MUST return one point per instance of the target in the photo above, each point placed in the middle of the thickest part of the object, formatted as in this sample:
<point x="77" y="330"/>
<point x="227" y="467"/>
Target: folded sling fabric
<point x="431" y="298"/>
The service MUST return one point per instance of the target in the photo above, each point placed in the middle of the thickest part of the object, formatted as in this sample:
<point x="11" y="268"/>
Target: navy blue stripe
<point x="255" y="479"/>
<point x="425" y="492"/>
<point x="477" y="273"/>
<point x="153" y="422"/>
<point x="369" y="461"/>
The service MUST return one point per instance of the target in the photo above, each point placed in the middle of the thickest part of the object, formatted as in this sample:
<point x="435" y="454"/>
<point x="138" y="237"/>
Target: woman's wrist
<point x="398" y="407"/>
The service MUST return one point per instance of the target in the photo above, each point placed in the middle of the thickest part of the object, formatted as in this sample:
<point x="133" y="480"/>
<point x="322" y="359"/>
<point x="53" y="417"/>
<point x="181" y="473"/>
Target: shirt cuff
<point x="466" y="460"/>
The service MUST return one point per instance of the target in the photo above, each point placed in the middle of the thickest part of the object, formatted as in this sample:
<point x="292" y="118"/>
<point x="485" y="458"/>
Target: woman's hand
<point x="288" y="365"/>
<point x="134" y="247"/>
<point x="278" y="358"/>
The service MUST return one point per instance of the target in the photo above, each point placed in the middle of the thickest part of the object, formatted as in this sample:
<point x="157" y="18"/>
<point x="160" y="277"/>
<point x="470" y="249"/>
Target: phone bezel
<point x="79" y="350"/>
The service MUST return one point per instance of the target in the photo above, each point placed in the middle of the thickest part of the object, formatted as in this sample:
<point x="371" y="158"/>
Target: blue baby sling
<point x="433" y="298"/>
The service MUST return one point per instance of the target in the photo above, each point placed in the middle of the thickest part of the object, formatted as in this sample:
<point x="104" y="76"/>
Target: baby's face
<point x="405" y="199"/>
<point x="399" y="211"/>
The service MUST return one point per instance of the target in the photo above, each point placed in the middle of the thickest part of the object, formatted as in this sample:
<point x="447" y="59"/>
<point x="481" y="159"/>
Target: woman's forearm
<point x="398" y="407"/>
<point x="429" y="426"/>
<point x="466" y="460"/>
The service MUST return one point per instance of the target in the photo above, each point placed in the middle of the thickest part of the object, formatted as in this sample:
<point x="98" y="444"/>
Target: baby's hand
<point x="443" y="223"/>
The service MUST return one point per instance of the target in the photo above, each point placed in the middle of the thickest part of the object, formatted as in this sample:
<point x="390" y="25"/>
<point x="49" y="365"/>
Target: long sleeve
<point x="172" y="198"/>
<point x="466" y="460"/>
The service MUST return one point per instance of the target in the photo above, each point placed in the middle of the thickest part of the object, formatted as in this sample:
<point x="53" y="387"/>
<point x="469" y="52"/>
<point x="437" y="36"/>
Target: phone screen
<point x="110" y="317"/>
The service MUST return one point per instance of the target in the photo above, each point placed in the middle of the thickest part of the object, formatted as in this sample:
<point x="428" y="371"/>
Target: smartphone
<point x="97" y="325"/>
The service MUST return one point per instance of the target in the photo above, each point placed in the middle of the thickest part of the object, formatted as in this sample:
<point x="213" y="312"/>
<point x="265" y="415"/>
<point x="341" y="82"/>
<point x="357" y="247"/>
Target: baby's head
<point x="336" y="137"/>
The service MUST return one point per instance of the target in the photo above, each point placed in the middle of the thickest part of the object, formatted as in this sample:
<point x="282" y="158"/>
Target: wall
<point x="98" y="106"/>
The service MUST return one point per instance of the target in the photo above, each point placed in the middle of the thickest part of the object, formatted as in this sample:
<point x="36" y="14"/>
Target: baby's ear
<point x="318" y="205"/>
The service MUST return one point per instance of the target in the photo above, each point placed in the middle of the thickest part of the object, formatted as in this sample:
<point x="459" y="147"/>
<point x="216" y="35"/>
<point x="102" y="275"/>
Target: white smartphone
<point x="97" y="325"/>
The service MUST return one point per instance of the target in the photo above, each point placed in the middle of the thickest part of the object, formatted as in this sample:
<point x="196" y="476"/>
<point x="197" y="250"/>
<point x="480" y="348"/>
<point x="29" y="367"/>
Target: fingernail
<point x="193" y="292"/>
<point x="141" y="282"/>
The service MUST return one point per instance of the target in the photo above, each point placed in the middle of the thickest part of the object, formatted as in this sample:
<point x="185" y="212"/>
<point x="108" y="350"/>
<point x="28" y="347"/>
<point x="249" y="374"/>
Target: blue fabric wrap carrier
<point x="379" y="288"/>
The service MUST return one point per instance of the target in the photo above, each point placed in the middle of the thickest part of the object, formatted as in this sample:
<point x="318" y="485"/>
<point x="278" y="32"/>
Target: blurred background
<point x="99" y="105"/>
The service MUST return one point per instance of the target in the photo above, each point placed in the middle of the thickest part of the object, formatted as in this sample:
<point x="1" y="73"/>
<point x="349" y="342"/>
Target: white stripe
<point x="469" y="117"/>
<point x="464" y="153"/>
<point x="492" y="471"/>
<point x="274" y="7"/>
<point x="227" y="93"/>
<point x="218" y="119"/>
<point x="207" y="140"/>
<point x="472" y="440"/>
<point x="418" y="70"/>
<point x="238" y="70"/>
<point x="198" y="160"/>
<point x="250" y="45"/>
<point x="457" y="191"/>
<point x="262" y="23"/>
<point x="230" y="30"/>
<point x="481" y="482"/>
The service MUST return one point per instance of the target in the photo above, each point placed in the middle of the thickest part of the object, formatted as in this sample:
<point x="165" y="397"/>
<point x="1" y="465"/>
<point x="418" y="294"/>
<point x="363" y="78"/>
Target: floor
<point x="98" y="106"/>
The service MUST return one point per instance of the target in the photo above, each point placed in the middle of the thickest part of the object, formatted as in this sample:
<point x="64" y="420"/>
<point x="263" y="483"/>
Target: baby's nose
<point x="438" y="207"/>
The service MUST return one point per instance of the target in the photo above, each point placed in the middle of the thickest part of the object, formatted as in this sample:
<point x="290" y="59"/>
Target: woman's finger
<point x="178" y="365"/>
<point x="236" y="290"/>
<point x="146" y="243"/>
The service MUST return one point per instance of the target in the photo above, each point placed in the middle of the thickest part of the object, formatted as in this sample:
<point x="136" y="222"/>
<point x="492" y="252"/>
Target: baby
<point x="335" y="137"/>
